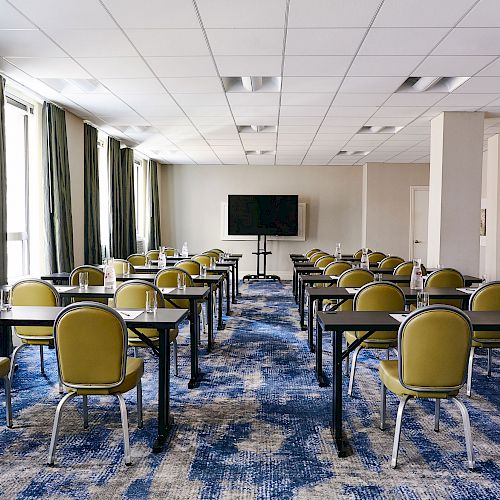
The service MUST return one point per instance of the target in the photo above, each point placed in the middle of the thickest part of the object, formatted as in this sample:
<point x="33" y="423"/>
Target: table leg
<point x="294" y="284"/>
<point x="228" y="295"/>
<point x="210" y="318"/>
<point x="343" y="449"/>
<point x="322" y="379"/>
<point x="238" y="277"/>
<point x="310" y="323"/>
<point x="194" y="328"/>
<point x="221" y="325"/>
<point x="233" y="284"/>
<point x="301" y="303"/>
<point x="165" y="421"/>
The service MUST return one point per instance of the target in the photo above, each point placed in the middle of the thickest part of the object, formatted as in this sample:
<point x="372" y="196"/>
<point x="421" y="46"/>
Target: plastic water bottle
<point x="338" y="251"/>
<point x="184" y="251"/>
<point x="417" y="280"/>
<point x="109" y="275"/>
<point x="162" y="259"/>
<point x="364" y="264"/>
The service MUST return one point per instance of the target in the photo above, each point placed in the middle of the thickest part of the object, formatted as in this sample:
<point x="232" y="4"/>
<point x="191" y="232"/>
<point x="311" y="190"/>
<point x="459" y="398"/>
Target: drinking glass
<point x="378" y="277"/>
<point x="151" y="301"/>
<point x="148" y="261"/>
<point x="203" y="270"/>
<point x="181" y="281"/>
<point x="126" y="268"/>
<point x="484" y="279"/>
<point x="5" y="300"/>
<point x="422" y="299"/>
<point x="83" y="280"/>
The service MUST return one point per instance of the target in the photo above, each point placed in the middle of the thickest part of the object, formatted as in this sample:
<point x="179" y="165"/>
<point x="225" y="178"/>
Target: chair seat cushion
<point x="4" y="366"/>
<point x="495" y="344"/>
<point x="134" y="372"/>
<point x="388" y="371"/>
<point x="351" y="337"/>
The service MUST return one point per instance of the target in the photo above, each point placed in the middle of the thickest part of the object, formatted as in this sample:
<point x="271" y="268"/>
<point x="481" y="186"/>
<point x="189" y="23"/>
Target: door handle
<point x="417" y="241"/>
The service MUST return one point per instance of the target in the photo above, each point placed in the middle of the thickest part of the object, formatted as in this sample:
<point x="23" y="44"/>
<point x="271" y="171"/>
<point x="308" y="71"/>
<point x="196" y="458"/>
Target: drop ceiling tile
<point x="365" y="111"/>
<point x="158" y="111"/>
<point x="244" y="119"/>
<point x="484" y="13"/>
<point x="478" y="100"/>
<point x="49" y="67"/>
<point x="207" y="110"/>
<point x="303" y="110"/>
<point x="182" y="66"/>
<point x="452" y="65"/>
<point x="298" y="129"/>
<point x="470" y="41"/>
<point x="311" y="84"/>
<point x="316" y="65"/>
<point x="301" y="120"/>
<point x="246" y="42"/>
<point x="372" y="84"/>
<point x="116" y="67"/>
<point x="242" y="14"/>
<point x="141" y="100"/>
<point x="394" y="121"/>
<point x="383" y="65"/>
<point x="101" y="104"/>
<point x="125" y="86"/>
<point x="343" y="99"/>
<point x="193" y="85"/>
<point x="28" y="43"/>
<point x="153" y="14"/>
<point x="168" y="42"/>
<point x="341" y="129"/>
<point x="330" y="41"/>
<point x="170" y="120"/>
<point x="249" y="65"/>
<point x="395" y="13"/>
<point x="492" y="69"/>
<point x="10" y="18"/>
<point x="340" y="119"/>
<point x="225" y="143"/>
<point x="253" y="99"/>
<point x="255" y="110"/>
<point x="480" y="84"/>
<point x="54" y="13"/>
<point x="401" y="41"/>
<point x="216" y="99"/>
<point x="400" y="111"/>
<point x="306" y="99"/>
<point x="286" y="140"/>
<point x="414" y="99"/>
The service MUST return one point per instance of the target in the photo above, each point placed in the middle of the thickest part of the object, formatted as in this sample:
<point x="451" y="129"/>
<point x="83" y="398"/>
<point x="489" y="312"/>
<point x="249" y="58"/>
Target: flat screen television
<point x="272" y="215"/>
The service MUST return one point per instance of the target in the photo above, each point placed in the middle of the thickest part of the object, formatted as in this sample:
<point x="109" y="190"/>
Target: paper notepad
<point x="194" y="276"/>
<point x="352" y="290"/>
<point x="64" y="288"/>
<point x="334" y="277"/>
<point x="167" y="290"/>
<point x="399" y="317"/>
<point x="467" y="290"/>
<point x="129" y="314"/>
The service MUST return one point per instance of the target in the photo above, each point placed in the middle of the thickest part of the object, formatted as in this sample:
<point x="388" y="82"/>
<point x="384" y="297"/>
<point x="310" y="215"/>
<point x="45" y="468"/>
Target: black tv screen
<point x="275" y="215"/>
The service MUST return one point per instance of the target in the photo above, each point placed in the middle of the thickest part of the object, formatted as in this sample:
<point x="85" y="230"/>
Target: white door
<point x="419" y="214"/>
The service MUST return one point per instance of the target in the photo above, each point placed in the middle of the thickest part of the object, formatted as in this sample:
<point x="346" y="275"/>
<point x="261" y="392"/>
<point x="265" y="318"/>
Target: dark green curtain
<point x="92" y="230"/>
<point x="154" y="235"/>
<point x="5" y="337"/>
<point x="121" y="189"/>
<point x="58" y="220"/>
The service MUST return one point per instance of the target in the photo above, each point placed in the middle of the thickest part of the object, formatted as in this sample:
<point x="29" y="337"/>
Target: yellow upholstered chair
<point x="433" y="348"/>
<point x="353" y="278"/>
<point x="202" y="259"/>
<point x="405" y="269"/>
<point x="137" y="259"/>
<point x="33" y="292"/>
<point x="96" y="278"/>
<point x="376" y="296"/>
<point x="376" y="257"/>
<point x="323" y="262"/>
<point x="218" y="251"/>
<point x="485" y="298"/>
<point x="318" y="255"/>
<point x="213" y="254"/>
<point x="169" y="251"/>
<point x="446" y="278"/>
<point x="119" y="265"/>
<point x="191" y="266"/>
<point x="86" y="371"/>
<point x="167" y="278"/>
<point x="312" y="251"/>
<point x="132" y="295"/>
<point x="153" y="254"/>
<point x="337" y="268"/>
<point x="359" y="253"/>
<point x="4" y="373"/>
<point x="390" y="262"/>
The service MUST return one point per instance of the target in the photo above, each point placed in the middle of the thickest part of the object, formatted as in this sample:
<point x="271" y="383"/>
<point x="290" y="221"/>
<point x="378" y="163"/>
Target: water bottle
<point x="364" y="264"/>
<point x="162" y="259"/>
<point x="417" y="280"/>
<point x="184" y="250"/>
<point x="338" y="251"/>
<point x="109" y="275"/>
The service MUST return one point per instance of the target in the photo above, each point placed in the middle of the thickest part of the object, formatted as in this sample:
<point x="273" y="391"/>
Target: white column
<point x="455" y="190"/>
<point x="492" y="257"/>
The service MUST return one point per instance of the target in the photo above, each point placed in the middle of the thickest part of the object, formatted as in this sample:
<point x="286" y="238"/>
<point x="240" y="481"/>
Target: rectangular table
<point x="370" y="321"/>
<point x="163" y="320"/>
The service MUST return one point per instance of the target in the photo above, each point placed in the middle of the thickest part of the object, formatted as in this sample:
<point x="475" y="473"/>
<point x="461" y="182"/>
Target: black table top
<point x="348" y="292"/>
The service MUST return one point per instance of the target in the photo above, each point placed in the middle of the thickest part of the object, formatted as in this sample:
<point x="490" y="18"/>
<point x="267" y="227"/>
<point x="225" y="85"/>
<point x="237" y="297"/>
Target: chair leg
<point x="176" y="359"/>
<point x="85" y="412"/>
<point x="42" y="366"/>
<point x="55" y="429"/>
<point x="8" y="401"/>
<point x="383" y="394"/>
<point x="61" y="389"/>
<point x="387" y="354"/>
<point x="489" y="361"/>
<point x="353" y="369"/>
<point x="469" y="371"/>
<point x="397" y="431"/>
<point x="437" y="410"/>
<point x="140" y="422"/>
<point x="126" y="439"/>
<point x="136" y="352"/>
<point x="467" y="432"/>
<point x="13" y="357"/>
<point x="347" y="365"/>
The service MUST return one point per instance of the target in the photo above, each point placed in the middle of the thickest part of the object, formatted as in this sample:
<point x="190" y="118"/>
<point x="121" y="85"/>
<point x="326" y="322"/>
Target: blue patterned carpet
<point x="257" y="428"/>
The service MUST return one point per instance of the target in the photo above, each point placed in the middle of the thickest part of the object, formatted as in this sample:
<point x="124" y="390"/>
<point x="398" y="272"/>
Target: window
<point x="17" y="115"/>
<point x="102" y="152"/>
<point x="140" y="168"/>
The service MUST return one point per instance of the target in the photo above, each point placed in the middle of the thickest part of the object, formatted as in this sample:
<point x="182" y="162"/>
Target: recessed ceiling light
<point x="352" y="153"/>
<point x="251" y="83"/>
<point x="253" y="129"/>
<point x="379" y="129"/>
<point x="432" y="83"/>
<point x="259" y="152"/>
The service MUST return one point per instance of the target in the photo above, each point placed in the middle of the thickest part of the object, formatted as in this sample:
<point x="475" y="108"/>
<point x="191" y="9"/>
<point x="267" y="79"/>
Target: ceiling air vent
<point x="379" y="129"/>
<point x="252" y="83"/>
<point x="259" y="152"/>
<point x="352" y="153"/>
<point x="432" y="83"/>
<point x="254" y="129"/>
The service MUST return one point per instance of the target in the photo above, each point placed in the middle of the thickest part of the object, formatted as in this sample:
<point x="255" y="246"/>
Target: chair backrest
<point x="189" y="265"/>
<point x="34" y="292"/>
<point x="337" y="268"/>
<point x="353" y="278"/>
<point x="96" y="275"/>
<point x="212" y="253"/>
<point x="486" y="298"/>
<point x="202" y="259"/>
<point x="118" y="265"/>
<point x="433" y="345"/>
<point x="167" y="278"/>
<point x="169" y="251"/>
<point x="218" y="251"/>
<point x="405" y="269"/>
<point x="318" y="255"/>
<point x="359" y="253"/>
<point x="379" y="296"/>
<point x="375" y="257"/>
<point x="323" y="262"/>
<point x="137" y="259"/>
<point x="390" y="262"/>
<point x="446" y="278"/>
<point x="153" y="254"/>
<point x="311" y="252"/>
<point x="91" y="346"/>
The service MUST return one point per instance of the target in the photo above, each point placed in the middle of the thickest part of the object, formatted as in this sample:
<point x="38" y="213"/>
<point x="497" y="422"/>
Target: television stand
<point x="261" y="251"/>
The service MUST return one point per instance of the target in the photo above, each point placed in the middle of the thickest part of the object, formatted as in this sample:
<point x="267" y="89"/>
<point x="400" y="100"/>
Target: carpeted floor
<point x="256" y="428"/>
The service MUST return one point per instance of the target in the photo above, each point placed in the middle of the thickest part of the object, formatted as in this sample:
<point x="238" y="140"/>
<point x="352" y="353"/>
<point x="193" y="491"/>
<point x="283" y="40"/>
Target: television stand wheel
<point x="273" y="277"/>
